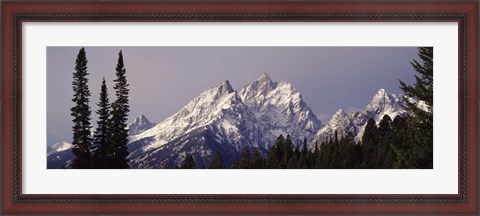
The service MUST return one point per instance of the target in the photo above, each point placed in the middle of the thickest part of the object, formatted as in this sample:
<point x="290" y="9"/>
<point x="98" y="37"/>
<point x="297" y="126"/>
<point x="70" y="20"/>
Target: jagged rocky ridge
<point x="224" y="120"/>
<point x="139" y="125"/>
<point x="381" y="104"/>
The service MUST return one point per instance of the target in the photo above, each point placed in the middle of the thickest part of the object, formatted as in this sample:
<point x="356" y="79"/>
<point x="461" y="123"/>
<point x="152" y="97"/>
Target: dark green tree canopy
<point x="118" y="150"/>
<point x="102" y="132"/>
<point x="80" y="112"/>
<point x="419" y="151"/>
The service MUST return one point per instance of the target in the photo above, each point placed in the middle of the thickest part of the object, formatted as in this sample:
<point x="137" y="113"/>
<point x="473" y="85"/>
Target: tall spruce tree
<point x="102" y="133"/>
<point x="118" y="152"/>
<point x="369" y="143"/>
<point x="81" y="114"/>
<point x="420" y="121"/>
<point x="382" y="148"/>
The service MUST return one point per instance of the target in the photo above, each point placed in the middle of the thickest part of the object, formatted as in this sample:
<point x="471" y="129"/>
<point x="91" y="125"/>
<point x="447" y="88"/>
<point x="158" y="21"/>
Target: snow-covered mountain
<point x="58" y="147"/>
<point x="139" y="125"/>
<point x="385" y="104"/>
<point x="381" y="104"/>
<point x="341" y="122"/>
<point x="280" y="108"/>
<point x="216" y="120"/>
<point x="221" y="119"/>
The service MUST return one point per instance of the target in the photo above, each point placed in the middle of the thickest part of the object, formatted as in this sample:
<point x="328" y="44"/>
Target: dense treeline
<point x="107" y="149"/>
<point x="376" y="150"/>
<point x="379" y="148"/>
<point x="405" y="142"/>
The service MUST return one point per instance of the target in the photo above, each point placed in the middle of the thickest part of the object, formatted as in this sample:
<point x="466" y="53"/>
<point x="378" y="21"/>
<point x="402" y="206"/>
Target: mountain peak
<point x="379" y="100"/>
<point x="265" y="81"/>
<point x="140" y="124"/>
<point x="141" y="118"/>
<point x="340" y="114"/>
<point x="225" y="87"/>
<point x="340" y="111"/>
<point x="264" y="78"/>
<point x="381" y="92"/>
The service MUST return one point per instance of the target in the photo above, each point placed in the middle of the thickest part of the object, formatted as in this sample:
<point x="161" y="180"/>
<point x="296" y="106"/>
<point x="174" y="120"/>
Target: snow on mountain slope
<point x="58" y="147"/>
<point x="218" y="112"/>
<point x="385" y="104"/>
<point x="197" y="113"/>
<point x="341" y="122"/>
<point x="139" y="125"/>
<point x="382" y="103"/>
<point x="281" y="108"/>
<point x="220" y="119"/>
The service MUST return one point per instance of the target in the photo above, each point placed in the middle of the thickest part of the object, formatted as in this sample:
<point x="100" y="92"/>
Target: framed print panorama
<point x="240" y="107"/>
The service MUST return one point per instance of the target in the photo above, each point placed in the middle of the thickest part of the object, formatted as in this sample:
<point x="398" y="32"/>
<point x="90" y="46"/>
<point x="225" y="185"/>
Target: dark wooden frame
<point x="14" y="13"/>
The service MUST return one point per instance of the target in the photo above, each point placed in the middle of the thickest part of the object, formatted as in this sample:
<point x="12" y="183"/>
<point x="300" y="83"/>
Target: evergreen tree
<point x="275" y="154"/>
<point x="118" y="151"/>
<point x="189" y="162"/>
<point x="383" y="126"/>
<point x="257" y="161"/>
<point x="273" y="160"/>
<point x="358" y="152"/>
<point x="287" y="151"/>
<point x="244" y="161"/>
<point x="217" y="162"/>
<point x="398" y="141"/>
<point x="311" y="160"/>
<point x="293" y="163"/>
<point x="296" y="152"/>
<point x="369" y="143"/>
<point x="304" y="148"/>
<point x="370" y="131"/>
<point x="382" y="149"/>
<point x="102" y="133"/>
<point x="303" y="155"/>
<point x="351" y="155"/>
<point x="322" y="155"/>
<point x="423" y="87"/>
<point x="80" y="112"/>
<point x="420" y="122"/>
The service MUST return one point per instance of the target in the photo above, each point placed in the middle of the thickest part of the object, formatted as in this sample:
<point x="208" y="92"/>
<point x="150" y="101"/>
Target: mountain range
<point x="381" y="104"/>
<point x="224" y="120"/>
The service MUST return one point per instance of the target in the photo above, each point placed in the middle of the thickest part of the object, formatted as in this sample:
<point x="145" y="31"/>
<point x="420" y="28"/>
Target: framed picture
<point x="235" y="107"/>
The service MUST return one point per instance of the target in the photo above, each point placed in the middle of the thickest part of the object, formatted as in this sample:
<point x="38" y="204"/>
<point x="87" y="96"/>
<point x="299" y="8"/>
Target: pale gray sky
<point x="164" y="79"/>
